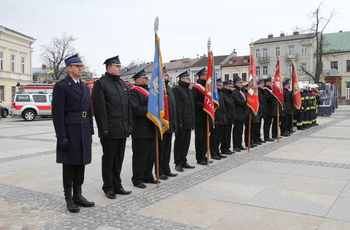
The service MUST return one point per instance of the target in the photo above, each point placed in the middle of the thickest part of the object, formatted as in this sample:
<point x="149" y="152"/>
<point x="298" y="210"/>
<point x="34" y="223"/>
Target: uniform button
<point x="82" y="121"/>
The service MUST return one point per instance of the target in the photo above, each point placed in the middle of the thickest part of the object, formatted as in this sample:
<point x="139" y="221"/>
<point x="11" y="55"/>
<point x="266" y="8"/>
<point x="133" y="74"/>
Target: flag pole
<point x="249" y="128"/>
<point x="208" y="126"/>
<point x="278" y="122"/>
<point x="156" y="25"/>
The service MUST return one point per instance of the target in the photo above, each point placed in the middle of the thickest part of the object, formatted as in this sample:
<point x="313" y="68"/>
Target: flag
<point x="51" y="71"/>
<point x="208" y="100"/>
<point x="157" y="112"/>
<point x="277" y="88"/>
<point x="295" y="87"/>
<point x="253" y="97"/>
<point x="216" y="97"/>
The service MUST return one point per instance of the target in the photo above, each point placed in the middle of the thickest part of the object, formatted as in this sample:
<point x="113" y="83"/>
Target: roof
<point x="204" y="61"/>
<point x="336" y="42"/>
<point x="133" y="70"/>
<point x="285" y="38"/>
<point x="237" y="61"/>
<point x="5" y="28"/>
<point x="175" y="64"/>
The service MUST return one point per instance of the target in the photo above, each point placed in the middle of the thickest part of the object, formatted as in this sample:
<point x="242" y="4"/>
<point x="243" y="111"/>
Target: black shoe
<point x="110" y="195"/>
<point x="242" y="148"/>
<point x="256" y="143"/>
<point x="151" y="181"/>
<point x="179" y="168"/>
<point x="210" y="161"/>
<point x="227" y="153"/>
<point x="187" y="166"/>
<point x="221" y="156"/>
<point x="81" y="201"/>
<point x="216" y="157"/>
<point x="261" y="141"/>
<point x="122" y="191"/>
<point x="141" y="185"/>
<point x="285" y="134"/>
<point x="300" y="128"/>
<point x="269" y="139"/>
<point x="236" y="149"/>
<point x="163" y="177"/>
<point x="71" y="206"/>
<point x="202" y="163"/>
<point x="172" y="174"/>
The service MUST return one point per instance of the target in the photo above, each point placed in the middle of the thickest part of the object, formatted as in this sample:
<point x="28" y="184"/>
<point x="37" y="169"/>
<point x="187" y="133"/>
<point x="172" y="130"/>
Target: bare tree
<point x="318" y="28"/>
<point x="56" y="52"/>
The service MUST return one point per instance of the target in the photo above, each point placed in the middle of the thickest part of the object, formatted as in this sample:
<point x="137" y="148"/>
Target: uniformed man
<point x="72" y="119"/>
<point x="271" y="111"/>
<point x="143" y="133"/>
<point x="110" y="98"/>
<point x="185" y="121"/>
<point x="230" y="115"/>
<point x="286" y="119"/>
<point x="240" y="100"/>
<point x="165" y="144"/>
<point x="261" y="112"/>
<point x="200" y="130"/>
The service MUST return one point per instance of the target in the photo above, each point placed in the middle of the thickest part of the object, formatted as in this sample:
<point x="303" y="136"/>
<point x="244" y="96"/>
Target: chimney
<point x="340" y="31"/>
<point x="295" y="32"/>
<point x="234" y="53"/>
<point x="282" y="34"/>
<point x="43" y="66"/>
<point x="270" y="36"/>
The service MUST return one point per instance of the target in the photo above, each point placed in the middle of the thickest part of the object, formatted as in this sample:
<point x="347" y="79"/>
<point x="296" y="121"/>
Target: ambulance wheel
<point x="29" y="115"/>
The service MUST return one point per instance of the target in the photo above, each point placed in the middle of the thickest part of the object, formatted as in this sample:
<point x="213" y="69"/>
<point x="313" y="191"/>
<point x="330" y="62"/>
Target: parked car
<point x="4" y="112"/>
<point x="28" y="106"/>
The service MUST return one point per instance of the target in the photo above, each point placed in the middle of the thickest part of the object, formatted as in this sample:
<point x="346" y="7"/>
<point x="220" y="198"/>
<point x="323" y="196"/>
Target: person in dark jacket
<point x="143" y="133"/>
<point x="185" y="121"/>
<point x="216" y="131"/>
<point x="261" y="112"/>
<point x="110" y="99"/>
<point x="286" y="120"/>
<point x="271" y="111"/>
<point x="240" y="100"/>
<point x="254" y="120"/>
<point x="72" y="120"/>
<point x="200" y="131"/>
<point x="230" y="115"/>
<point x="165" y="144"/>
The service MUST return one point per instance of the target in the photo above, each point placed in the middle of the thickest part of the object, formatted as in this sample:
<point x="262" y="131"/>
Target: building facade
<point x="15" y="62"/>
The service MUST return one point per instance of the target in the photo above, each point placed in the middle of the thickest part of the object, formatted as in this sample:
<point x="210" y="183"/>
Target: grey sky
<point x="107" y="28"/>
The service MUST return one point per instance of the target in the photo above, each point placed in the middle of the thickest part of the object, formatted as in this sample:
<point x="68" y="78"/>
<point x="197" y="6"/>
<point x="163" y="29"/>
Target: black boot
<point x="79" y="199"/>
<point x="71" y="206"/>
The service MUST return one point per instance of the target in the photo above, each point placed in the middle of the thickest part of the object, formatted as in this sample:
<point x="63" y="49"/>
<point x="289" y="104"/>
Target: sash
<point x="141" y="90"/>
<point x="242" y="94"/>
<point x="268" y="90"/>
<point x="200" y="88"/>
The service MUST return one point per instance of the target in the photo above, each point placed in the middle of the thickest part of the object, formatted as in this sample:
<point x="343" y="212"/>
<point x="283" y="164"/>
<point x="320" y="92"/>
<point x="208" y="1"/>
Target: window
<point x="257" y="70"/>
<point x="1" y="61"/>
<point x="12" y="62"/>
<point x="277" y="51"/>
<point x="347" y="65"/>
<point x="244" y="77"/>
<point x="290" y="69"/>
<point x="227" y="77"/>
<point x="303" y="65"/>
<point x="2" y="92"/>
<point x="23" y="64"/>
<point x="13" y="92"/>
<point x="264" y="53"/>
<point x="265" y="70"/>
<point x="24" y="98"/>
<point x="257" y="53"/>
<point x="291" y="50"/>
<point x="303" y="49"/>
<point x="334" y="64"/>
<point x="39" y="98"/>
<point x="235" y="75"/>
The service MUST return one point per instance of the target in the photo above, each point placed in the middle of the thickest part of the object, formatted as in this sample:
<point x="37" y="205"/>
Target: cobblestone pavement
<point x="31" y="194"/>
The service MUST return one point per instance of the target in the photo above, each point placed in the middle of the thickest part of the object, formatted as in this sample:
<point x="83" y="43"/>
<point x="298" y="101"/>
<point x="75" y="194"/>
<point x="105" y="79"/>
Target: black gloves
<point x="103" y="133"/>
<point x="63" y="143"/>
<point x="130" y="130"/>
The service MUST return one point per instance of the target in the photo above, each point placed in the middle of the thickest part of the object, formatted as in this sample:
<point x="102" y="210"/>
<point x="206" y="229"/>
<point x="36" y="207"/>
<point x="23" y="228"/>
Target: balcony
<point x="264" y="59"/>
<point x="289" y="57"/>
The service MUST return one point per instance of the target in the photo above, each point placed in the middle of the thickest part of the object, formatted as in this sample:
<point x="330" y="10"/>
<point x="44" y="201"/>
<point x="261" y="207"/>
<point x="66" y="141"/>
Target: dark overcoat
<point x="271" y="102"/>
<point x="240" y="100"/>
<point x="69" y="97"/>
<point x="200" y="114"/>
<point x="110" y="99"/>
<point x="230" y="108"/>
<point x="171" y="110"/>
<point x="143" y="127"/>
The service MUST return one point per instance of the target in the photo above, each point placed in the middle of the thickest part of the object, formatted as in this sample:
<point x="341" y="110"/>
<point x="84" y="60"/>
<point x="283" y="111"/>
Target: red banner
<point x="277" y="88"/>
<point x="208" y="100"/>
<point x="295" y="87"/>
<point x="253" y="97"/>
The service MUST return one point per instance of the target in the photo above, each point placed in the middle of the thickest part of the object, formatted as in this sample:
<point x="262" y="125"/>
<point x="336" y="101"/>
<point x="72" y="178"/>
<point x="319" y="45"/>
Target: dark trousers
<point x="226" y="138"/>
<point x="73" y="175"/>
<point x="142" y="159"/>
<point x="237" y="134"/>
<point x="112" y="162"/>
<point x="215" y="140"/>
<point x="286" y="123"/>
<point x="181" y="146"/>
<point x="164" y="153"/>
<point x="200" y="135"/>
<point x="267" y="125"/>
<point x="257" y="128"/>
<point x="300" y="117"/>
